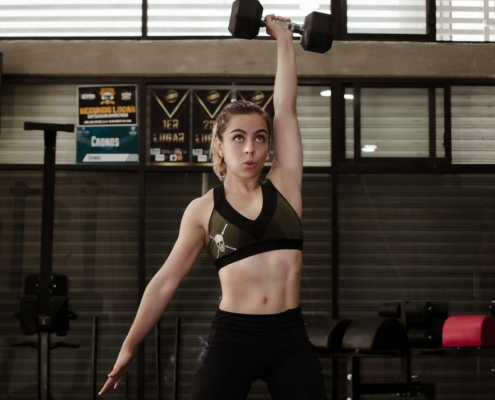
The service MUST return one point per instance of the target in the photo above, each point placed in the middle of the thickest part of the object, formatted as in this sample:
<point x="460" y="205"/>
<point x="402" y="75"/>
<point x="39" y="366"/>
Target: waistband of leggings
<point x="290" y="313"/>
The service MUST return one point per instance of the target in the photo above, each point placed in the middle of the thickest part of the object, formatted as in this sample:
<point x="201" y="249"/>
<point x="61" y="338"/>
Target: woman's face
<point x="245" y="145"/>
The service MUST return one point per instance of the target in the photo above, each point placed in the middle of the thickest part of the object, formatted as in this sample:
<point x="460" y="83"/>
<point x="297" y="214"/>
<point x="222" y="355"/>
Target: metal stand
<point x="44" y="309"/>
<point x="406" y="388"/>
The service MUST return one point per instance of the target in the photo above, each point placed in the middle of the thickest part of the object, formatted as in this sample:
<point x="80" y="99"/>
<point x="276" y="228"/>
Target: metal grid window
<point x="473" y="119"/>
<point x="210" y="17"/>
<point x="387" y="16"/>
<point x="70" y="18"/>
<point x="466" y="20"/>
<point x="456" y="20"/>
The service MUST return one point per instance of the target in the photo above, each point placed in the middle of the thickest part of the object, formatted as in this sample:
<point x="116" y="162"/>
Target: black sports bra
<point x="234" y="237"/>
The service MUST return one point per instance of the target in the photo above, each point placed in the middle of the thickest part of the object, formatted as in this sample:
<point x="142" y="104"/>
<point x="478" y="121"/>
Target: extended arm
<point x="160" y="290"/>
<point x="287" y="165"/>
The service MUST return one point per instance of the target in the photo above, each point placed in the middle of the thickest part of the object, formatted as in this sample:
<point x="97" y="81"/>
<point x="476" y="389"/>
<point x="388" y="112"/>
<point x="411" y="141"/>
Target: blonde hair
<point x="221" y="122"/>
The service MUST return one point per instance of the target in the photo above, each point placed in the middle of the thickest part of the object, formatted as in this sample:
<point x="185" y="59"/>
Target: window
<point x="467" y="20"/>
<point x="394" y="122"/>
<point x="473" y="122"/>
<point x="386" y="16"/>
<point x="70" y="18"/>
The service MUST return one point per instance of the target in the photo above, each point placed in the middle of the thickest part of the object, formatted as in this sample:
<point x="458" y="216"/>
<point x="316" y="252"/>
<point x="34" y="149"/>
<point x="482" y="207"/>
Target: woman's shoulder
<point x="288" y="188"/>
<point x="201" y="207"/>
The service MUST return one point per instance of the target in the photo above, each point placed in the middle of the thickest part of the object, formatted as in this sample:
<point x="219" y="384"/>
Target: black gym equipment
<point x="44" y="306"/>
<point x="317" y="32"/>
<point x="400" y="327"/>
<point x="423" y="320"/>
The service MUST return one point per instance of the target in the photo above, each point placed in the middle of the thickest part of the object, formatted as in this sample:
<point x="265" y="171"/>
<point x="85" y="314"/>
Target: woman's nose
<point x="249" y="147"/>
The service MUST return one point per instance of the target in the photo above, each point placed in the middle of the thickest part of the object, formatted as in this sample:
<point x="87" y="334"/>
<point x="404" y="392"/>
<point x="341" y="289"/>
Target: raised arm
<point x="161" y="288"/>
<point x="287" y="165"/>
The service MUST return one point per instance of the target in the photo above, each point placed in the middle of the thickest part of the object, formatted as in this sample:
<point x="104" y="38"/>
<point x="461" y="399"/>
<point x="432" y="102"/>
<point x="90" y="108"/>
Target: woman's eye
<point x="260" y="138"/>
<point x="238" y="138"/>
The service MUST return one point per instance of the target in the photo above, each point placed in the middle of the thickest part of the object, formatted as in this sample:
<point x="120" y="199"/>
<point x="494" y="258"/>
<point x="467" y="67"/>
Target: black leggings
<point x="274" y="348"/>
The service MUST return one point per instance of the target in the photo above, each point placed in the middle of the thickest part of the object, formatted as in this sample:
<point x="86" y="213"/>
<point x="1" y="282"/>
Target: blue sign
<point x="102" y="144"/>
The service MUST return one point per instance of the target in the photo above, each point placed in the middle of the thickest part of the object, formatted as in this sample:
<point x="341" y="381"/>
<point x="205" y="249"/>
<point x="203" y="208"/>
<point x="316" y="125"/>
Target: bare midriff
<point x="266" y="283"/>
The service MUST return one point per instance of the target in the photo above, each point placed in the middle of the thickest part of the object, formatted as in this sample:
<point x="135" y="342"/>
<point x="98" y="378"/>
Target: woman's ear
<point x="219" y="146"/>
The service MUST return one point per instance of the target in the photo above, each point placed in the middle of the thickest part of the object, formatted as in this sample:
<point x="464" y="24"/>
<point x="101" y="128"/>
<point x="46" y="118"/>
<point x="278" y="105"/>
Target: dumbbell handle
<point x="296" y="28"/>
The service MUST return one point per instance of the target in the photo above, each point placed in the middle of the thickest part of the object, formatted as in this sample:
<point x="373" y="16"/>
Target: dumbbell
<point x="316" y="32"/>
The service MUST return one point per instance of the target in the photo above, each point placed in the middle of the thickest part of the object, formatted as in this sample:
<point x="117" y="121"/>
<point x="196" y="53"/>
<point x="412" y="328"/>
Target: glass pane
<point x="465" y="20"/>
<point x="55" y="104"/>
<point x="386" y="16"/>
<point x="403" y="237"/>
<point x="20" y="220"/>
<point x="70" y="18"/>
<point x="95" y="245"/>
<point x="473" y="122"/>
<point x="313" y="113"/>
<point x="211" y="17"/>
<point x="394" y="122"/>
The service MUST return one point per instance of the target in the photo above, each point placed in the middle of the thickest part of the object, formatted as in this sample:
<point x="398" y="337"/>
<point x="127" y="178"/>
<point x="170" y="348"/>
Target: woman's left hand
<point x="275" y="30"/>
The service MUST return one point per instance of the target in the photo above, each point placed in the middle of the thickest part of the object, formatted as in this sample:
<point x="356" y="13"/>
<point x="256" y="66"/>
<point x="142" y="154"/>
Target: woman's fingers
<point x="112" y="381"/>
<point x="108" y="384"/>
<point x="114" y="378"/>
<point x="117" y="383"/>
<point x="277" y="17"/>
<point x="276" y="30"/>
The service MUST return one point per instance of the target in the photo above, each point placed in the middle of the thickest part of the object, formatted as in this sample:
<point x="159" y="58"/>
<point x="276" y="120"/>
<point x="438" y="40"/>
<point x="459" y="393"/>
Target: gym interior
<point x="397" y="122"/>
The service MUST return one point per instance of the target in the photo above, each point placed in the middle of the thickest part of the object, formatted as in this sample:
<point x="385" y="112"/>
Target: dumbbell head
<point x="318" y="32"/>
<point x="245" y="18"/>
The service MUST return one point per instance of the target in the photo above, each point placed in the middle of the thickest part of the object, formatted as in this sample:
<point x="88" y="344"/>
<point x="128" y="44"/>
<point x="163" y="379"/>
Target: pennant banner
<point x="206" y="106"/>
<point x="170" y="125"/>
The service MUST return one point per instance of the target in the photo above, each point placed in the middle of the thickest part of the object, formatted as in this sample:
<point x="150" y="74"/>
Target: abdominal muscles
<point x="266" y="283"/>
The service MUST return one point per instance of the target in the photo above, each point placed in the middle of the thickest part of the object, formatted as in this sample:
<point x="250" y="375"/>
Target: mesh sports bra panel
<point x="234" y="237"/>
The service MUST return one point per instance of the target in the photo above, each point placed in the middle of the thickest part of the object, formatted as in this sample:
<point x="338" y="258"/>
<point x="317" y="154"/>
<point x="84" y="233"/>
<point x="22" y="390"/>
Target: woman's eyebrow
<point x="243" y="131"/>
<point x="238" y="130"/>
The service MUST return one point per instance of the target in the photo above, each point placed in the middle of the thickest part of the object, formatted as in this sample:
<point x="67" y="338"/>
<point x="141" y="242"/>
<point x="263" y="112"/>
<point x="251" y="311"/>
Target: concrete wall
<point x="233" y="57"/>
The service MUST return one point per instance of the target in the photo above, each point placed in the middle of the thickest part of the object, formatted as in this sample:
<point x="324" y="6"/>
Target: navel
<point x="265" y="300"/>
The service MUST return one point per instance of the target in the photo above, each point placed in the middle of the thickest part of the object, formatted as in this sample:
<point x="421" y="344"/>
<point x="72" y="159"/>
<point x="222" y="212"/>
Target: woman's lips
<point x="249" y="164"/>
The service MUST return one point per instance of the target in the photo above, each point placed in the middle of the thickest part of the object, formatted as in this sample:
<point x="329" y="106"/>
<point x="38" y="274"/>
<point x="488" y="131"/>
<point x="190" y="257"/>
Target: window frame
<point x="339" y="9"/>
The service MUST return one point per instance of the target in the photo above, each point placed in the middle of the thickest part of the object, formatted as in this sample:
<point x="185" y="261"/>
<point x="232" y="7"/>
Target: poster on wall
<point x="107" y="105"/>
<point x="107" y="131"/>
<point x="263" y="98"/>
<point x="101" y="144"/>
<point x="170" y="117"/>
<point x="206" y="106"/>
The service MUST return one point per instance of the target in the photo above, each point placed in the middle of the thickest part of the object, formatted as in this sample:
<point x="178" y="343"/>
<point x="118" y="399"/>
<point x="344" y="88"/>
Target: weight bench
<point x="403" y="326"/>
<point x="367" y="338"/>
<point x="466" y="336"/>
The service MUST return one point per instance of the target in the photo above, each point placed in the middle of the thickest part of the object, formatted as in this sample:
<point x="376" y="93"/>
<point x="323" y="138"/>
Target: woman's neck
<point x="236" y="185"/>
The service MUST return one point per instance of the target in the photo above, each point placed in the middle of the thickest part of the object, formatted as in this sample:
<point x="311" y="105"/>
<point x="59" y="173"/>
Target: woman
<point x="253" y="233"/>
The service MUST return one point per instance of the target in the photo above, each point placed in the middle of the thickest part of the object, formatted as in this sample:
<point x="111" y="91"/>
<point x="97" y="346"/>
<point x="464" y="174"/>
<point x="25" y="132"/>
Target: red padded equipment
<point x="469" y="331"/>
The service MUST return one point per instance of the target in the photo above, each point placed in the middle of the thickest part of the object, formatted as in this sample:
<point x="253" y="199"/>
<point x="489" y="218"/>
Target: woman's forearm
<point x="285" y="91"/>
<point x="155" y="299"/>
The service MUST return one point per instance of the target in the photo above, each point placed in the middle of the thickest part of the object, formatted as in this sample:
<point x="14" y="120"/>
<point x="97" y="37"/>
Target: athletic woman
<point x="252" y="230"/>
